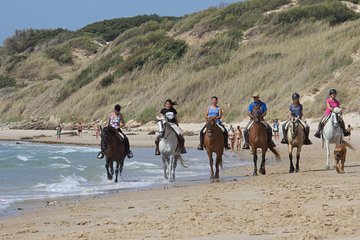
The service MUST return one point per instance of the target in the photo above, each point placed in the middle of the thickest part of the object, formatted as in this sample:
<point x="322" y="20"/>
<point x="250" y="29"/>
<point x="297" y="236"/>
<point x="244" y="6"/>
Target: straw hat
<point x="256" y="94"/>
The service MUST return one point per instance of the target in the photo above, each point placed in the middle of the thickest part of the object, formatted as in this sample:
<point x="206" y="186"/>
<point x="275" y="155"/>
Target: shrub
<point x="107" y="81"/>
<point x="13" y="61"/>
<point x="6" y="81"/>
<point x="61" y="53"/>
<point x="85" y="43"/>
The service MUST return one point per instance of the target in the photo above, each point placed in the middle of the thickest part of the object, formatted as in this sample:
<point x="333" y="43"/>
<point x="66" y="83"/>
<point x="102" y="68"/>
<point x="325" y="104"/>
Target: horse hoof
<point x="297" y="170"/>
<point x="109" y="178"/>
<point x="327" y="167"/>
<point x="291" y="171"/>
<point x="255" y="174"/>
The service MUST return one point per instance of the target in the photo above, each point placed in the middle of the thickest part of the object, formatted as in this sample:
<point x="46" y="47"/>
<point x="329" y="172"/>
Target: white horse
<point x="295" y="137"/>
<point x="332" y="133"/>
<point x="169" y="149"/>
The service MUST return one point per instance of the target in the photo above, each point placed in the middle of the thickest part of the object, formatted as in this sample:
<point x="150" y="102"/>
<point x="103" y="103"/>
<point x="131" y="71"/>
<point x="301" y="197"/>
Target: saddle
<point x="221" y="127"/>
<point x="252" y="122"/>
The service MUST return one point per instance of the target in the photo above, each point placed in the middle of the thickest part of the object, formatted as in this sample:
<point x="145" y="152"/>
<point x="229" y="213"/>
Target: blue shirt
<point x="258" y="103"/>
<point x="214" y="112"/>
<point x="296" y="111"/>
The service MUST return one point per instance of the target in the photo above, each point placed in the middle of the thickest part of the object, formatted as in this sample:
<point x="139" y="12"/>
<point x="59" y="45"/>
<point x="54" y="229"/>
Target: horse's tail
<point x="347" y="144"/>
<point x="182" y="162"/>
<point x="276" y="153"/>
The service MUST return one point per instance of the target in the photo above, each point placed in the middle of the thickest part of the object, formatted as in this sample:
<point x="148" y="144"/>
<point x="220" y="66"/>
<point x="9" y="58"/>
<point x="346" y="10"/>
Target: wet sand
<point x="312" y="204"/>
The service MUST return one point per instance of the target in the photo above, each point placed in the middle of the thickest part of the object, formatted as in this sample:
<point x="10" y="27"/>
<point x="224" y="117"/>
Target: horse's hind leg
<point x="217" y="165"/>
<point x="262" y="166"/>
<point x="292" y="169"/>
<point x="117" y="171"/>
<point x="165" y="167"/>
<point x="211" y="162"/>
<point x="107" y="166"/>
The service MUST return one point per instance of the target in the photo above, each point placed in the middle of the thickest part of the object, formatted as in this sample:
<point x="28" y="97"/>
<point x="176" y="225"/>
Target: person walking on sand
<point x="79" y="130"/>
<point x="349" y="129"/>
<point x="239" y="137"/>
<point x="97" y="130"/>
<point x="276" y="129"/>
<point x="170" y="113"/>
<point x="116" y="120"/>
<point x="214" y="111"/>
<point x="232" y="138"/>
<point x="58" y="131"/>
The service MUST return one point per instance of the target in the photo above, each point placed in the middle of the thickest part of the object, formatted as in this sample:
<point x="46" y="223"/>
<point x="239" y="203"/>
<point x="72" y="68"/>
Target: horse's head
<point x="210" y="126"/>
<point x="294" y="126"/>
<point x="335" y="116"/>
<point x="256" y="112"/>
<point x="107" y="133"/>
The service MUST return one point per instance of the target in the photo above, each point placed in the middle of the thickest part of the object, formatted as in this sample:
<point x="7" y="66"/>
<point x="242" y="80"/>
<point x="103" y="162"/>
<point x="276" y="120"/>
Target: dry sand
<point x="312" y="204"/>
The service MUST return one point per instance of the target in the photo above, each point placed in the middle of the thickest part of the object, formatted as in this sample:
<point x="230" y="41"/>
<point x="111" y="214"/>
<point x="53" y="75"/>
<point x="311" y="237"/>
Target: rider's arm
<point x="290" y="115"/>
<point x="220" y="113"/>
<point x="206" y="113"/>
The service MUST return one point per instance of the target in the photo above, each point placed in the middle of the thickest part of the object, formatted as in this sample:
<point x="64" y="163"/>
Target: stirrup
<point x="200" y="147"/>
<point x="317" y="134"/>
<point x="246" y="146"/>
<point x="284" y="141"/>
<point x="346" y="133"/>
<point x="227" y="147"/>
<point x="183" y="150"/>
<point x="100" y="155"/>
<point x="130" y="154"/>
<point x="307" y="142"/>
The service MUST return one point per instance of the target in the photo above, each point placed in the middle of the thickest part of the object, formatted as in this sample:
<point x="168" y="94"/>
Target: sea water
<point x="30" y="171"/>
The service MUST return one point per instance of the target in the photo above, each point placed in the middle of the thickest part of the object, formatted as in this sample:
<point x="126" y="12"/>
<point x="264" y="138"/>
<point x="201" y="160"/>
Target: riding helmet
<point x="332" y="91"/>
<point x="295" y="96"/>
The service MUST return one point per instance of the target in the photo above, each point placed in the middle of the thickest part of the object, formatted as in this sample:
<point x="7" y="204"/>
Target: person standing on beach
<point x="214" y="111"/>
<point x="116" y="120"/>
<point x="276" y="129"/>
<point x="58" y="131"/>
<point x="349" y="129"/>
<point x="79" y="130"/>
<point x="239" y="137"/>
<point x="170" y="113"/>
<point x="97" y="130"/>
<point x="232" y="138"/>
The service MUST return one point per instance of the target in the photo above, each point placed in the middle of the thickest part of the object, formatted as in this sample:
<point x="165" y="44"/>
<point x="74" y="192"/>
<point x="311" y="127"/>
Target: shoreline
<point x="312" y="204"/>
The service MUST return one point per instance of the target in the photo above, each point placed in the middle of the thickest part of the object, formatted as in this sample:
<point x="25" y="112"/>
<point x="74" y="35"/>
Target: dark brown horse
<point x="114" y="150"/>
<point x="214" y="143"/>
<point x="258" y="138"/>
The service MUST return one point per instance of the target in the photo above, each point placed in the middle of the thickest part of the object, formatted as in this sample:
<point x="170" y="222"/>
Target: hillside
<point x="275" y="47"/>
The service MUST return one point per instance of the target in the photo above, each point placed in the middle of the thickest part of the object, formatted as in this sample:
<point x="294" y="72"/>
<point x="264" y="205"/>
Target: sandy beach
<point x="312" y="204"/>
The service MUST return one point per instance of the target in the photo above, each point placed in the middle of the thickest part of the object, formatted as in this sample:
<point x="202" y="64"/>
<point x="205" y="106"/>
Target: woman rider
<point x="296" y="110"/>
<point x="214" y="111"/>
<point x="170" y="113"/>
<point x="331" y="103"/>
<point x="116" y="120"/>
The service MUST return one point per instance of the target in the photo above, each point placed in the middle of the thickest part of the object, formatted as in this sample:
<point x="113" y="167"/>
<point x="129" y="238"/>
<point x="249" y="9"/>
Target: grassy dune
<point x="146" y="64"/>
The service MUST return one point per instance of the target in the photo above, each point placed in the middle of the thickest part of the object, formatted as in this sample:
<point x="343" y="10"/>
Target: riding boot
<point x="129" y="153"/>
<point x="306" y="139"/>
<point x="157" y="151"/>
<point x="201" y="145"/>
<point x="342" y="125"/>
<point x="319" y="131"/>
<point x="226" y="141"/>
<point x="100" y="155"/>
<point x="284" y="140"/>
<point x="181" y="144"/>
<point x="246" y="138"/>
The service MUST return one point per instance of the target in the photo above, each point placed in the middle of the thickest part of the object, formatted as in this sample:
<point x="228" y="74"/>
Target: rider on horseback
<point x="331" y="103"/>
<point x="263" y="110"/>
<point x="116" y="120"/>
<point x="170" y="113"/>
<point x="296" y="111"/>
<point x="214" y="111"/>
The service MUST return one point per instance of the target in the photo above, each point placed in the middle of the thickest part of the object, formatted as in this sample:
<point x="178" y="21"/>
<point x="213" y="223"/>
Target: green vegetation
<point x="147" y="115"/>
<point x="6" y="81"/>
<point x="27" y="39"/>
<point x="110" y="29"/>
<point x="61" y="53"/>
<point x="107" y="81"/>
<point x="12" y="61"/>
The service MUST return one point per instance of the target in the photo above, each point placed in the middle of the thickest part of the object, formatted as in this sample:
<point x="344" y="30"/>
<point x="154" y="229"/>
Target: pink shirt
<point x="333" y="103"/>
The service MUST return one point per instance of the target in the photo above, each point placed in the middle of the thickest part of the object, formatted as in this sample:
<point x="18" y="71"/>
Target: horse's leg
<point x="298" y="159"/>
<point x="217" y="165"/>
<point x="117" y="170"/>
<point x="107" y="166"/>
<point x="211" y="162"/>
<point x="262" y="165"/>
<point x="291" y="170"/>
<point x="165" y="167"/>
<point x="171" y="169"/>
<point x="255" y="161"/>
<point x="327" y="154"/>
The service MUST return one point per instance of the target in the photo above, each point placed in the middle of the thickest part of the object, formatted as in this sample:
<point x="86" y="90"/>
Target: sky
<point x="74" y="14"/>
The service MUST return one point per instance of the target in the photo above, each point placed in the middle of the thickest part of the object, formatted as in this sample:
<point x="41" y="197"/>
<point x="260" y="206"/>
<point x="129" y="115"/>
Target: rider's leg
<point x="129" y="153"/>
<point x="157" y="140"/>
<point x="307" y="141"/>
<point x="269" y="132"/>
<point x="181" y="140"/>
<point x="342" y="125"/>
<point x="201" y="145"/>
<point x="284" y="130"/>
<point x="320" y="127"/>
<point x="246" y="137"/>
<point x="226" y="137"/>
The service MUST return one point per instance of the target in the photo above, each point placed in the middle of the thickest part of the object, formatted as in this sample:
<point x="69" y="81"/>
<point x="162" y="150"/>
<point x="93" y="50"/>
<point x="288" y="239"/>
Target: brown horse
<point x="114" y="150"/>
<point x="258" y="138"/>
<point x="214" y="143"/>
